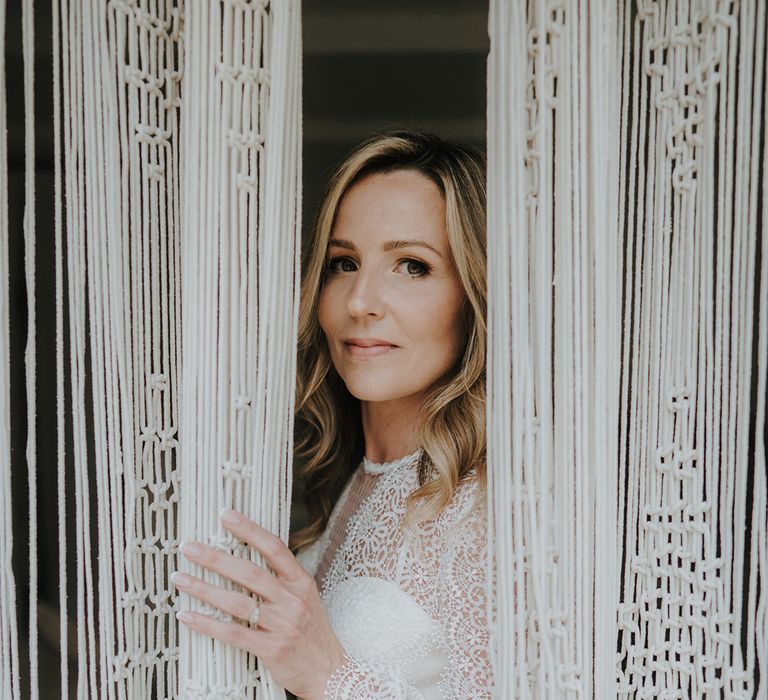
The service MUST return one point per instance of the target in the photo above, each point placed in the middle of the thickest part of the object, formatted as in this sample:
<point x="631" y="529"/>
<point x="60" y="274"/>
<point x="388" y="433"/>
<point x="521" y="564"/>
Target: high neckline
<point x="370" y="467"/>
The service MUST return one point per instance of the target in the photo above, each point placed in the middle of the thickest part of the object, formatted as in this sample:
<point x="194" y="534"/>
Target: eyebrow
<point x="389" y="245"/>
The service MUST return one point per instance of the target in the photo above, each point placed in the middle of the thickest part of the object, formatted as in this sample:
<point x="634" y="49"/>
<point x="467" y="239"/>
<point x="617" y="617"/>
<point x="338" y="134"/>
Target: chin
<point x="366" y="390"/>
<point x="368" y="393"/>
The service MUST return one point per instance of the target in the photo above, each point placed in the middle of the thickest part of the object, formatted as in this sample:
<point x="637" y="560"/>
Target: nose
<point x="365" y="297"/>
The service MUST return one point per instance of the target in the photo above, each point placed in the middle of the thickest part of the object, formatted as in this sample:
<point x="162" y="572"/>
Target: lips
<point x="367" y="342"/>
<point x="367" y="347"/>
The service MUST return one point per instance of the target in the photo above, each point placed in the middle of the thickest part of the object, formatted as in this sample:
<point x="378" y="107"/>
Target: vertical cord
<point x="603" y="196"/>
<point x="60" y="396"/>
<point x="10" y="681"/>
<point x="509" y="390"/>
<point x="75" y="184"/>
<point x="30" y="359"/>
<point x="757" y="600"/>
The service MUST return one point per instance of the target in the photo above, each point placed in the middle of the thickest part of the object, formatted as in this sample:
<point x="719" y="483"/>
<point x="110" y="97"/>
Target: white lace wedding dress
<point x="408" y="607"/>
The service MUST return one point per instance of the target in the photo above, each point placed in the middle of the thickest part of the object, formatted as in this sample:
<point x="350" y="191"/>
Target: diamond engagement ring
<point x="253" y="618"/>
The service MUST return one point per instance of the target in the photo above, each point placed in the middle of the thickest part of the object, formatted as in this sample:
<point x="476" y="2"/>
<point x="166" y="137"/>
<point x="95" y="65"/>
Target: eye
<point x="340" y="265"/>
<point x="414" y="268"/>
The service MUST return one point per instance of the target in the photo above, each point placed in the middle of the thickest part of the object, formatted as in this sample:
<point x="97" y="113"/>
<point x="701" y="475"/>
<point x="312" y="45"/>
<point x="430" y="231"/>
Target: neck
<point x="389" y="428"/>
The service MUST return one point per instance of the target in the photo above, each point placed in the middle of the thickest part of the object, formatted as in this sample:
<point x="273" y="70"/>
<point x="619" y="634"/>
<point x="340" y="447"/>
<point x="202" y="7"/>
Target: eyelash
<point x="425" y="268"/>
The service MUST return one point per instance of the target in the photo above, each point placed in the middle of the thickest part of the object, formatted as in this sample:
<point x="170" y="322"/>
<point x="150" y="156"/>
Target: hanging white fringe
<point x="242" y="155"/>
<point x="135" y="168"/>
<point x="679" y="135"/>
<point x="120" y="133"/>
<point x="30" y="350"/>
<point x="9" y="636"/>
<point x="553" y="364"/>
<point x="692" y="616"/>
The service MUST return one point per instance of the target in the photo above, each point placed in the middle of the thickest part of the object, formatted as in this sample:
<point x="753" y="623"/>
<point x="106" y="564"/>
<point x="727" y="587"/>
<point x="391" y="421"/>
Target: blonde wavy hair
<point x="451" y="425"/>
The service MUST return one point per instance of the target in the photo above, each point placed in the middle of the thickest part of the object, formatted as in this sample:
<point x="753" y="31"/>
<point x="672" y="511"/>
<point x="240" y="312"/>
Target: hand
<point x="293" y="637"/>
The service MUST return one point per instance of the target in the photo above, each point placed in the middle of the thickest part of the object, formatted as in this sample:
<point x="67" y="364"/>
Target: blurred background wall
<point x="368" y="66"/>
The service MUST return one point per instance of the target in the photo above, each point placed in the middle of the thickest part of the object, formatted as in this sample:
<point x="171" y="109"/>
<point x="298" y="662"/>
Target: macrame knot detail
<point x="245" y="140"/>
<point x="247" y="182"/>
<point x="556" y="623"/>
<point x="164" y="506"/>
<point x="156" y="172"/>
<point x="678" y="398"/>
<point x="144" y="81"/>
<point x="172" y="81"/>
<point x="170" y="547"/>
<point x="161" y="602"/>
<point x="177" y="20"/>
<point x="148" y="434"/>
<point x="569" y="678"/>
<point x="167" y="439"/>
<point x="648" y="10"/>
<point x="676" y="461"/>
<point x="239" y="75"/>
<point x="248" y="5"/>
<point x="236" y="470"/>
<point x="152" y="23"/>
<point x="132" y="598"/>
<point x="152" y="135"/>
<point x="214" y="613"/>
<point x="228" y="543"/>
<point x="124" y="6"/>
<point x="120" y="663"/>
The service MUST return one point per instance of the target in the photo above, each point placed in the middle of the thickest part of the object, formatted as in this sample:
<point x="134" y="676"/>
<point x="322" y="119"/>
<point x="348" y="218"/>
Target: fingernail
<point x="181" y="580"/>
<point x="191" y="549"/>
<point x="230" y="517"/>
<point x="184" y="616"/>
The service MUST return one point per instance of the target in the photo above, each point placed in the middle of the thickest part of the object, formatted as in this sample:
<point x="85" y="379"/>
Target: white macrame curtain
<point x="553" y="379"/>
<point x="178" y="135"/>
<point x="628" y="336"/>
<point x="241" y="244"/>
<point x="628" y="303"/>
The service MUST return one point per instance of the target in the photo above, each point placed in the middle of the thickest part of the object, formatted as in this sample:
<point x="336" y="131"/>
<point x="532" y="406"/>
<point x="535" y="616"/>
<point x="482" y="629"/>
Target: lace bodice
<point x="409" y="606"/>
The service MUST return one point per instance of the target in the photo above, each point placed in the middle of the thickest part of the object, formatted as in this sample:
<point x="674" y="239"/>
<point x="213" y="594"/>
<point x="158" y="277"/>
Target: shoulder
<point x="465" y="553"/>
<point x="468" y="502"/>
<point x="464" y="521"/>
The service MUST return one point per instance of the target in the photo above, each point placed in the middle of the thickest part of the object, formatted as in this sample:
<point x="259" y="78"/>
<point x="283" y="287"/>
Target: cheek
<point x="445" y="327"/>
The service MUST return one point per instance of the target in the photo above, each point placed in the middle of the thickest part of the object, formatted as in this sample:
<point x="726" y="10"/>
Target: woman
<point x="387" y="595"/>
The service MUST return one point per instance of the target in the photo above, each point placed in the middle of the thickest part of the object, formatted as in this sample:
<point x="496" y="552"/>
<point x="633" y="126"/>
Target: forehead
<point x="385" y="204"/>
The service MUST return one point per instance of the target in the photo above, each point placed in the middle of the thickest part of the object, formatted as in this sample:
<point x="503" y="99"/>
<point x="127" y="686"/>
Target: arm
<point x="358" y="681"/>
<point x="464" y="610"/>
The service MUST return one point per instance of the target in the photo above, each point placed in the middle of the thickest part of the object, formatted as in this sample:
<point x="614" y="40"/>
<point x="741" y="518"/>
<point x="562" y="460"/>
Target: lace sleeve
<point x="360" y="681"/>
<point x="463" y="595"/>
<point x="461" y="590"/>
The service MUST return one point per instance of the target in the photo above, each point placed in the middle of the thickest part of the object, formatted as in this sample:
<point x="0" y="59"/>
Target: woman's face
<point x="391" y="304"/>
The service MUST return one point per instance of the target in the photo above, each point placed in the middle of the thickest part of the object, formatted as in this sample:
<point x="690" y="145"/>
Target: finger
<point x="240" y="636"/>
<point x="232" y="602"/>
<point x="272" y="548"/>
<point x="246" y="573"/>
